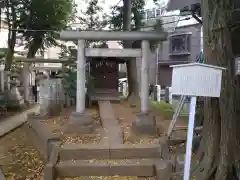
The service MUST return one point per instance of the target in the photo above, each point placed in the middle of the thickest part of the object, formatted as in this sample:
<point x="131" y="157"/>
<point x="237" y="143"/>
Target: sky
<point x="149" y="4"/>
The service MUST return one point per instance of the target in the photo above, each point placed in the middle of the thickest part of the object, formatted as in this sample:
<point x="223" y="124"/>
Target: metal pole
<point x="157" y="65"/>
<point x="188" y="156"/>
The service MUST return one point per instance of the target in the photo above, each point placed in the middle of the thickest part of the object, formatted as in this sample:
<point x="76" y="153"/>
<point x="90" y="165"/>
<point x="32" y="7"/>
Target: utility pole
<point x="157" y="60"/>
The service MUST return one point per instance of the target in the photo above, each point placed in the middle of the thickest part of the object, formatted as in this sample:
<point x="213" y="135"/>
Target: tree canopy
<point x="51" y="17"/>
<point x="36" y="23"/>
<point x="133" y="20"/>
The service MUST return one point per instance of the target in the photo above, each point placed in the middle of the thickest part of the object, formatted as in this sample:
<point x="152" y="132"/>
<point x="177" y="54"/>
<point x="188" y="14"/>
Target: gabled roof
<point x="179" y="4"/>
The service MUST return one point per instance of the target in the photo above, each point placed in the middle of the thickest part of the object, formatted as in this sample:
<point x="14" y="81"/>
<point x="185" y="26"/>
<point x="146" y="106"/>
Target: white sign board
<point x="196" y="79"/>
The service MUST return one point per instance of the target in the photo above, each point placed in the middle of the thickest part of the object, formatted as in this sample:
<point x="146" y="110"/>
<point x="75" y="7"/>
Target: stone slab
<point x="80" y="168"/>
<point x="10" y="123"/>
<point x="38" y="143"/>
<point x="135" y="168"/>
<point x="54" y="156"/>
<point x="80" y="123"/>
<point x="49" y="172"/>
<point x="44" y="137"/>
<point x="144" y="124"/>
<point x="103" y="151"/>
<point x="129" y="151"/>
<point x="115" y="134"/>
<point x="110" y="124"/>
<point x="104" y="168"/>
<point x="84" y="152"/>
<point x="163" y="170"/>
<point x="107" y="115"/>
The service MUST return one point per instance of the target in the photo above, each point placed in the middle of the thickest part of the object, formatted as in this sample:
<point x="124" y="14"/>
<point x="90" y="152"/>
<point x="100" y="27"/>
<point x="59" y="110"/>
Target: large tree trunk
<point x="131" y="64"/>
<point x="32" y="50"/>
<point x="34" y="46"/>
<point x="220" y="144"/>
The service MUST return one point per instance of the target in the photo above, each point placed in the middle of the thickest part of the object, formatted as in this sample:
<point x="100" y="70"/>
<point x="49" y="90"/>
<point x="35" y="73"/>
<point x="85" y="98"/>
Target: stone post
<point x="7" y="75"/>
<point x="144" y="78"/>
<point x="33" y="77"/>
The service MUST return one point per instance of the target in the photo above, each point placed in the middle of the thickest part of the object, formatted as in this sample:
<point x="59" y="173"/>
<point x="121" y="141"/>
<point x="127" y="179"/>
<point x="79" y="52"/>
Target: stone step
<point x="182" y="114"/>
<point x="197" y="129"/>
<point x="133" y="167"/>
<point x="115" y="151"/>
<point x="106" y="91"/>
<point x="104" y="98"/>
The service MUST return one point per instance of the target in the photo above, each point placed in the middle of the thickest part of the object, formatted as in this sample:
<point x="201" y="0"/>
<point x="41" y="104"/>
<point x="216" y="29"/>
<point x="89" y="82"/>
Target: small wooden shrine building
<point x="105" y="74"/>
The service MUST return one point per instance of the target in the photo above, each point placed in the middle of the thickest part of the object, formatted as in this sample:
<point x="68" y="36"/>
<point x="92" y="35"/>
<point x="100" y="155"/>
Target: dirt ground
<point x="59" y="123"/>
<point x="126" y="114"/>
<point x="19" y="160"/>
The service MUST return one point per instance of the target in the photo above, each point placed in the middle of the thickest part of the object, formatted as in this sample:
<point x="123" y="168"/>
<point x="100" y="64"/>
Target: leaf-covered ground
<point x="59" y="123"/>
<point x="19" y="159"/>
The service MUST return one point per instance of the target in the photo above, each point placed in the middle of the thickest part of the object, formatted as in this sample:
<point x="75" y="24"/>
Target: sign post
<point x="194" y="80"/>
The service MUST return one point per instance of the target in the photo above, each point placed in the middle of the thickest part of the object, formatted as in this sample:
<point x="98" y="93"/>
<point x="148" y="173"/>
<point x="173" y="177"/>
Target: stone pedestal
<point x="145" y="124"/>
<point x="15" y="99"/>
<point x="80" y="123"/>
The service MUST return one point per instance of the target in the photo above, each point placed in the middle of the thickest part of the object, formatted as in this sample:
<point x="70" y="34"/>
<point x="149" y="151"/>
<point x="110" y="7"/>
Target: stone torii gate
<point x="80" y="117"/>
<point x="27" y="62"/>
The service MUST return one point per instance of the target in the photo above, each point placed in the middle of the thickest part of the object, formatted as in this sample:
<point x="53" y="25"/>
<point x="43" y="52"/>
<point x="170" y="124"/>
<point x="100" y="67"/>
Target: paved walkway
<point x="112" y="129"/>
<point x="13" y="122"/>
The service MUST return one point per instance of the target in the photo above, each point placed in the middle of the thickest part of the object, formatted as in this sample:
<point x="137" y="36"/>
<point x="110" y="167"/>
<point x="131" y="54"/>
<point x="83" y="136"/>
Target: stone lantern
<point x="15" y="98"/>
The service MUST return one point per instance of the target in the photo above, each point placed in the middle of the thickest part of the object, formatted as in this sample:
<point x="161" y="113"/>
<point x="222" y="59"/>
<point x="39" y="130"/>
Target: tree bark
<point x="32" y="50"/>
<point x="220" y="145"/>
<point x="131" y="64"/>
<point x="34" y="47"/>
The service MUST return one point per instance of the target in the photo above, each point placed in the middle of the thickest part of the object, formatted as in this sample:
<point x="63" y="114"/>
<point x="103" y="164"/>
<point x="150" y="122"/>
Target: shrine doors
<point x="105" y="73"/>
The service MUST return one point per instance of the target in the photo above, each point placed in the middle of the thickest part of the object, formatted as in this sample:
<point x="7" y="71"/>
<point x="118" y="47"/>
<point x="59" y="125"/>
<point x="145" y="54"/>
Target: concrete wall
<point x="165" y="75"/>
<point x="195" y="44"/>
<point x="165" y="59"/>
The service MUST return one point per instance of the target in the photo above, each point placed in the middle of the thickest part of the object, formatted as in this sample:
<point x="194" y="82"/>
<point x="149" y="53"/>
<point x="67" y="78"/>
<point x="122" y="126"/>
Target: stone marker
<point x="51" y="97"/>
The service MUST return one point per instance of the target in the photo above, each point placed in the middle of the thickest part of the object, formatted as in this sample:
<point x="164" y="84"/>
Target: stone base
<point x="80" y="124"/>
<point x="145" y="124"/>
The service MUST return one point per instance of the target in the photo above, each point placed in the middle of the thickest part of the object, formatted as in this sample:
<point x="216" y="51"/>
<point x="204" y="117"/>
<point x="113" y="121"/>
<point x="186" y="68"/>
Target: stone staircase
<point x="121" y="160"/>
<point x="109" y="157"/>
<point x="105" y="95"/>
